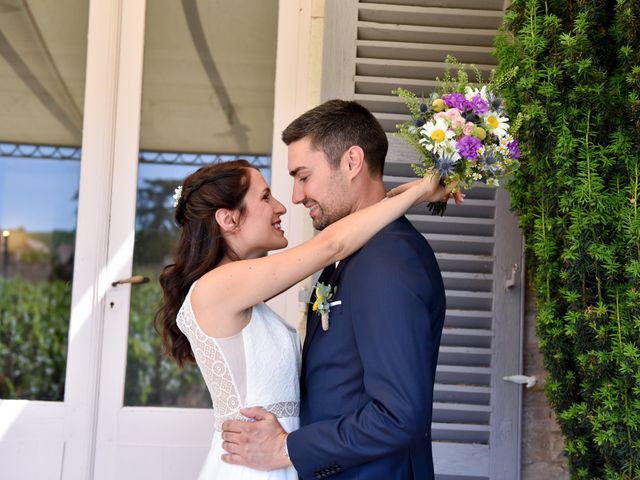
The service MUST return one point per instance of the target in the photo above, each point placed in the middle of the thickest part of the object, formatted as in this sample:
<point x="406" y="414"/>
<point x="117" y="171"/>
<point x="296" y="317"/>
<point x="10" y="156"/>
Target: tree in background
<point x="577" y="89"/>
<point x="152" y="378"/>
<point x="155" y="231"/>
<point x="34" y="317"/>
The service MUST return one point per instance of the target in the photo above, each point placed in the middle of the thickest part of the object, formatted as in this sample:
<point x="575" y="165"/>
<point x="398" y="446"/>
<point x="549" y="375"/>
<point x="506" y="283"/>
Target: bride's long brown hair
<point x="201" y="245"/>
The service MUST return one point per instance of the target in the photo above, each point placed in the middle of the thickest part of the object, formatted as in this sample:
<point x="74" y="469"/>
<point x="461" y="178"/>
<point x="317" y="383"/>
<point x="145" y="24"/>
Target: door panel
<point x="204" y="94"/>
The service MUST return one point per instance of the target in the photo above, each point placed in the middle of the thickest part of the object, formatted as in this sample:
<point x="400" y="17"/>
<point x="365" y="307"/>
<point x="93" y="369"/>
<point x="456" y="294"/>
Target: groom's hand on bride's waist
<point x="259" y="444"/>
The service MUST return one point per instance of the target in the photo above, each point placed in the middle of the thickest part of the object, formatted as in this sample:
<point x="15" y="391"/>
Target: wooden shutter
<point x="372" y="47"/>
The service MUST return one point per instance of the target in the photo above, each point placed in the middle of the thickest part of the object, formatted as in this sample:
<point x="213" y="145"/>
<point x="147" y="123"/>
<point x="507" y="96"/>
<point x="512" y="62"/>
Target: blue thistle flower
<point x="445" y="165"/>
<point x="471" y="117"/>
<point x="489" y="160"/>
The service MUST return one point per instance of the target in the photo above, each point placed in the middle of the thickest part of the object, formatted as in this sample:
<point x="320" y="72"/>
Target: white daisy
<point x="503" y="147"/>
<point x="496" y="124"/>
<point x="448" y="148"/>
<point x="470" y="92"/>
<point x="434" y="133"/>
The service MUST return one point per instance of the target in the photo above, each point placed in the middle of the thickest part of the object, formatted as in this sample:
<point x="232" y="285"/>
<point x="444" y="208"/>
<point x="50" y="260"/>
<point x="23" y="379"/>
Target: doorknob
<point x="135" y="280"/>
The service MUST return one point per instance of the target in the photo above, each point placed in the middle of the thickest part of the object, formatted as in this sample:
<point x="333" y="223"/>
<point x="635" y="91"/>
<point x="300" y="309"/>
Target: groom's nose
<point x="298" y="194"/>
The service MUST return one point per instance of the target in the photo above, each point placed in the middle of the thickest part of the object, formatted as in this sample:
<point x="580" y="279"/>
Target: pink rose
<point x="454" y="117"/>
<point x="468" y="128"/>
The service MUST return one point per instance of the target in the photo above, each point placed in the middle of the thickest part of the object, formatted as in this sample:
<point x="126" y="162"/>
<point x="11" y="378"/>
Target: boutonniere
<point x="323" y="303"/>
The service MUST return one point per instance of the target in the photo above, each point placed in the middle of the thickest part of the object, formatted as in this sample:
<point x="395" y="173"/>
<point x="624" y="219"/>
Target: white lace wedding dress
<point x="257" y="367"/>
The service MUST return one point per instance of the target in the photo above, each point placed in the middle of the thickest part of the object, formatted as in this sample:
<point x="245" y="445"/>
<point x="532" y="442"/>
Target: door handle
<point x="135" y="280"/>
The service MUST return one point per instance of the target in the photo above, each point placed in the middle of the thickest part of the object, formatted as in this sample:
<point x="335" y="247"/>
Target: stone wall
<point x="542" y="441"/>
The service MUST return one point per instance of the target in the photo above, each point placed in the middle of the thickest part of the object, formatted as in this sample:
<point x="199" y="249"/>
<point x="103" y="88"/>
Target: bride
<point x="213" y="309"/>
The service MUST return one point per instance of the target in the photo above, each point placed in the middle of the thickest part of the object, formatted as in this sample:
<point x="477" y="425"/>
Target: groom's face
<point x="319" y="187"/>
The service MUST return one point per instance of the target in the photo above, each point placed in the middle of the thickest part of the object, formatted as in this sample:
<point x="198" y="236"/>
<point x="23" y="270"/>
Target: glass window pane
<point x="207" y="96"/>
<point x="42" y="73"/>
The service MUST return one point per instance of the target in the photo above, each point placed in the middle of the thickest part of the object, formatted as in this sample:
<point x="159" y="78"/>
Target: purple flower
<point x="514" y="149"/>
<point x="478" y="105"/>
<point x="468" y="146"/>
<point x="455" y="100"/>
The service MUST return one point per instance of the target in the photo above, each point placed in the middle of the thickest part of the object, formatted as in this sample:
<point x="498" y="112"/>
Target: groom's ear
<point x="355" y="160"/>
<point x="227" y="219"/>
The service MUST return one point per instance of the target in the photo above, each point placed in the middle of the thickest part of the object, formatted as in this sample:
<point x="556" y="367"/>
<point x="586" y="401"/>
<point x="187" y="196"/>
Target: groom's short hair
<point x="335" y="126"/>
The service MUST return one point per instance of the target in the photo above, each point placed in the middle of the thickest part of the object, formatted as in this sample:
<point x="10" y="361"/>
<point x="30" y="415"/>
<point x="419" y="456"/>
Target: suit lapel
<point x="313" y="318"/>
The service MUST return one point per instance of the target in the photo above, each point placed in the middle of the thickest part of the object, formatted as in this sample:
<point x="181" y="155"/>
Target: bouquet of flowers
<point x="461" y="132"/>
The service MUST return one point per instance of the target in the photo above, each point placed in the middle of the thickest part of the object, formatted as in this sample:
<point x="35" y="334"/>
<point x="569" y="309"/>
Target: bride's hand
<point x="433" y="191"/>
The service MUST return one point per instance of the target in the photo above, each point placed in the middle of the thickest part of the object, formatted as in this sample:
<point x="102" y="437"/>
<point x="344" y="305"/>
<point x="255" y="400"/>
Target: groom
<point x="367" y="382"/>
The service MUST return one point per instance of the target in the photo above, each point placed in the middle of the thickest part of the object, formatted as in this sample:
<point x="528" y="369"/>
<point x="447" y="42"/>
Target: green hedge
<point x="34" y="324"/>
<point x="152" y="379"/>
<point x="578" y="89"/>
<point x="34" y="321"/>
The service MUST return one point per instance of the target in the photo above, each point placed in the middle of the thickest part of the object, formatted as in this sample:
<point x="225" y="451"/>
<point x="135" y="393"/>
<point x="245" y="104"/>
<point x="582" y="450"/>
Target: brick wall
<point x="542" y="441"/>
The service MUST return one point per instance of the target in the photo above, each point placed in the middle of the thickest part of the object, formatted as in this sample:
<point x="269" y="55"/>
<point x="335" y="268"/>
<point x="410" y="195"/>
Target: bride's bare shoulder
<point x="212" y="311"/>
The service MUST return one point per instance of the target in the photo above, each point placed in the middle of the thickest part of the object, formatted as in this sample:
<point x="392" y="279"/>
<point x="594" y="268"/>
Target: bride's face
<point x="260" y="230"/>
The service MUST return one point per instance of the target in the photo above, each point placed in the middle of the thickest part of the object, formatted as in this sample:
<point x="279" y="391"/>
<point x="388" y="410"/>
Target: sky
<point x="39" y="194"/>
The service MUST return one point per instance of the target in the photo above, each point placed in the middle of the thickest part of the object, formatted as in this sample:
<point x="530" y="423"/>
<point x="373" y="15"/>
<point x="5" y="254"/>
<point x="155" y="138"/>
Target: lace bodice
<point x="267" y="377"/>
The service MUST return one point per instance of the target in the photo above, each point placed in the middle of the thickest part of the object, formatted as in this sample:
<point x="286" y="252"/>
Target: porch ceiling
<point x="209" y="70"/>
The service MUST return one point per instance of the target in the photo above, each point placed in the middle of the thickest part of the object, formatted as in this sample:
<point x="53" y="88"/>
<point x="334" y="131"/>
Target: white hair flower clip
<point x="176" y="196"/>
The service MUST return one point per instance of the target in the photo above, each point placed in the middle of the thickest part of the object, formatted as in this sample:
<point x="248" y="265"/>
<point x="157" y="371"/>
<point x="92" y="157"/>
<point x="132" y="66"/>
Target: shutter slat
<point x="429" y="52"/>
<point x="386" y="103"/>
<point x="470" y="208"/>
<point x="426" y="34"/>
<point x="460" y="243"/>
<point x="460" y="432"/>
<point x="486" y="4"/>
<point x="370" y="85"/>
<point x="466" y="226"/>
<point x="456" y="374"/>
<point x="468" y="337"/>
<point x="461" y="393"/>
<point x="443" y="17"/>
<point x="480" y="282"/>
<point x="464" y="299"/>
<point x="461" y="412"/>
<point x="470" y="356"/>
<point x="456" y="262"/>
<point x="467" y="318"/>
<point x="407" y="68"/>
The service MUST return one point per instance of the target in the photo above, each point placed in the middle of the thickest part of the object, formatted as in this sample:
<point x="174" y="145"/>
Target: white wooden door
<point x="371" y="48"/>
<point x="206" y="90"/>
<point x="133" y="442"/>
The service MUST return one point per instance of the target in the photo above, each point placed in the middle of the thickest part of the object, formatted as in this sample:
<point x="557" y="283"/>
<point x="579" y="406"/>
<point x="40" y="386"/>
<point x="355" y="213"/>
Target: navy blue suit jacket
<point x="367" y="382"/>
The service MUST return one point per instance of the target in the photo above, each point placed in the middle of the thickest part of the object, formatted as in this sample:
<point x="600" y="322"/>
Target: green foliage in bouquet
<point x="578" y="90"/>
